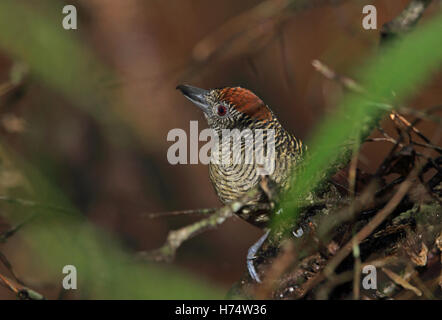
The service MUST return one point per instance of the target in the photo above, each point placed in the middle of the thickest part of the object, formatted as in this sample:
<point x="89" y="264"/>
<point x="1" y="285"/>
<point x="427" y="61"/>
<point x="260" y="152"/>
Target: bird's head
<point x="229" y="108"/>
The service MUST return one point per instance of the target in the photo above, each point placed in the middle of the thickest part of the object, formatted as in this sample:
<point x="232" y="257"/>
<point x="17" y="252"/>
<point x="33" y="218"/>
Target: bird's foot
<point x="298" y="233"/>
<point x="253" y="250"/>
<point x="251" y="256"/>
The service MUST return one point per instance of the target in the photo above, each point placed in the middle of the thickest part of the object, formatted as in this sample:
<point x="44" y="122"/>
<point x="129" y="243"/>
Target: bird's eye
<point x="222" y="111"/>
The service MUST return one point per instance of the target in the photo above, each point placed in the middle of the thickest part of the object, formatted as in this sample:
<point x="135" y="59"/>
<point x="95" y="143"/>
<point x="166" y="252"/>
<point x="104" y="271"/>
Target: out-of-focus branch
<point x="250" y="29"/>
<point x="17" y="74"/>
<point x="405" y="21"/>
<point x="19" y="290"/>
<point x="10" y="232"/>
<point x="36" y="205"/>
<point x="352" y="85"/>
<point x="204" y="211"/>
<point x="330" y="74"/>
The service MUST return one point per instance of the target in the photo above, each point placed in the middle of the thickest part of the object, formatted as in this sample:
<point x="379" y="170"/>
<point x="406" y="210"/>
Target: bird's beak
<point x="196" y="95"/>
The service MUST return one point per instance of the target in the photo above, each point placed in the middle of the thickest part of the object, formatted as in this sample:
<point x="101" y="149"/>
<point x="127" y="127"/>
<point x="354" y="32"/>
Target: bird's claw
<point x="298" y="233"/>
<point x="251" y="255"/>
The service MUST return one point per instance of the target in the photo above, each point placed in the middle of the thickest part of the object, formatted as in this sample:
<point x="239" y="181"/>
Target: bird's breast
<point x="233" y="179"/>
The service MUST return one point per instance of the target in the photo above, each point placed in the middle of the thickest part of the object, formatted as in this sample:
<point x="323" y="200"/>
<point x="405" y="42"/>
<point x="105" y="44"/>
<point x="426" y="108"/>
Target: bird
<point x="236" y="108"/>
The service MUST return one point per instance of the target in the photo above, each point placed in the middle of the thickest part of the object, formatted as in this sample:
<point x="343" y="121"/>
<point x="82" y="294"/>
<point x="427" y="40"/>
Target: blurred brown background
<point x="152" y="46"/>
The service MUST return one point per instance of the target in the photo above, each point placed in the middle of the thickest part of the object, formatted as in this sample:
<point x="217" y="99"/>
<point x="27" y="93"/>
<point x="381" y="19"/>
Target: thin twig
<point x="362" y="234"/>
<point x="405" y="21"/>
<point x="357" y="272"/>
<point x="8" y="266"/>
<point x="20" y="291"/>
<point x="9" y="233"/>
<point x="204" y="211"/>
<point x="33" y="204"/>
<point x="177" y="237"/>
<point x="352" y="85"/>
<point x="401" y="281"/>
<point x="374" y="223"/>
<point x="330" y="74"/>
<point x="423" y="114"/>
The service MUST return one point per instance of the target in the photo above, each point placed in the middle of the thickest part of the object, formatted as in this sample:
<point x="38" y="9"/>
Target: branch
<point x="22" y="292"/>
<point x="177" y="237"/>
<point x="204" y="211"/>
<point x="362" y="234"/>
<point x="16" y="77"/>
<point x="37" y="205"/>
<point x="405" y="21"/>
<point x="352" y="85"/>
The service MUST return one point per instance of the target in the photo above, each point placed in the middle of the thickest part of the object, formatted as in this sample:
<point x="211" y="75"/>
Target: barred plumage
<point x="239" y="108"/>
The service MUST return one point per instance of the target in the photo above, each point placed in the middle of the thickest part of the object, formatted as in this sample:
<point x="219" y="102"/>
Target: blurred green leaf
<point x="395" y="74"/>
<point x="106" y="270"/>
<point x="34" y="35"/>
